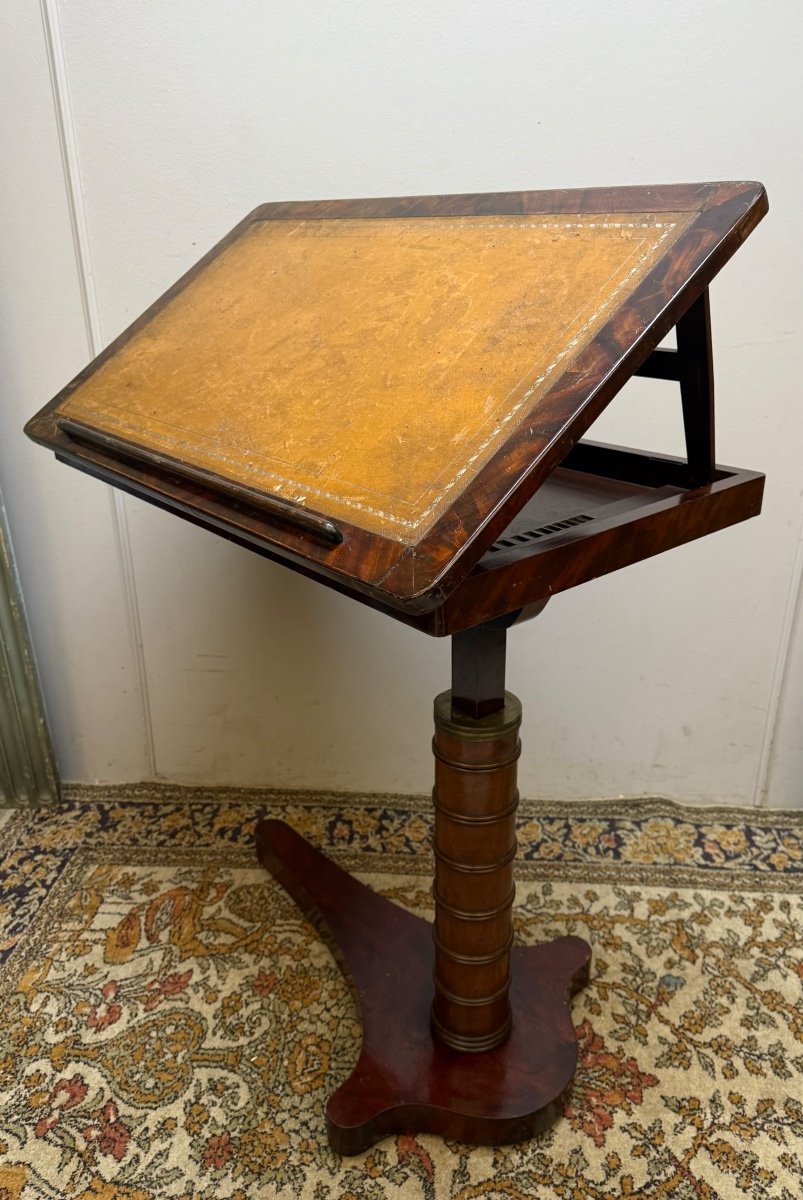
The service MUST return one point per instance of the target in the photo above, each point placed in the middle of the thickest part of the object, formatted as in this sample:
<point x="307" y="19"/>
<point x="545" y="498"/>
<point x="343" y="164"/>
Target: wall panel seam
<point x="68" y="146"/>
<point x="780" y="676"/>
<point x="27" y="770"/>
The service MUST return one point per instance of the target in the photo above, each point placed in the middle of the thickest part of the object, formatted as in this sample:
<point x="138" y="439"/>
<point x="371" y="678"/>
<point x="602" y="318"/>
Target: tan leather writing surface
<point x="369" y="368"/>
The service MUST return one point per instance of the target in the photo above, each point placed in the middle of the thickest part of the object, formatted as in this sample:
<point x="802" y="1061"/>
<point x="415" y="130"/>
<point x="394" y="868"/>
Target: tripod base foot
<point x="406" y="1080"/>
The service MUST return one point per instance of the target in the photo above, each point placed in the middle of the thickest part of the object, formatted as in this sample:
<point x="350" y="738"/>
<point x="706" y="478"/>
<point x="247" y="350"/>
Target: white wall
<point x="167" y="653"/>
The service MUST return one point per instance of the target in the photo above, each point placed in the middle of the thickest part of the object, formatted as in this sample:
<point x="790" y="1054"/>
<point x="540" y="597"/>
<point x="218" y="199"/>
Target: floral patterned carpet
<point x="170" y="1026"/>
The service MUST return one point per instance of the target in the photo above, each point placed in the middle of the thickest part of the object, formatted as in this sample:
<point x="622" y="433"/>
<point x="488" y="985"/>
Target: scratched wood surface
<point x="328" y="376"/>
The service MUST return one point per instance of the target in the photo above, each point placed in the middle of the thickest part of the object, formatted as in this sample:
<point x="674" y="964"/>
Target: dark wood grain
<point x="417" y="579"/>
<point x="696" y="380"/>
<point x="478" y="670"/>
<point x="274" y="508"/>
<point x="406" y="1080"/>
<point x="601" y="546"/>
<point x="658" y="523"/>
<point x="475" y="801"/>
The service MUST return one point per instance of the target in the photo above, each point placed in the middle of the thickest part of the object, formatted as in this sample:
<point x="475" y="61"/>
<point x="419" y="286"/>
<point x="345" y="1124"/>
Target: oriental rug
<point x="171" y="1027"/>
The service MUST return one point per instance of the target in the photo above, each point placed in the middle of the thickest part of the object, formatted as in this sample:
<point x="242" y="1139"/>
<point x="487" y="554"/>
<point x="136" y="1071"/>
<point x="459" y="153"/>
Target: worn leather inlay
<point x="369" y="368"/>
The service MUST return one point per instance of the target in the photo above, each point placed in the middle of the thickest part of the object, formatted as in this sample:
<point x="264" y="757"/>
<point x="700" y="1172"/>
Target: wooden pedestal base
<point x="406" y="1079"/>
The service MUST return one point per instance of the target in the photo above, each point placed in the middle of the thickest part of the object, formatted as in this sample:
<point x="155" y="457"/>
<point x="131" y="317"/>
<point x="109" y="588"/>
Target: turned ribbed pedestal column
<point x="475" y="844"/>
<point x="491" y="1059"/>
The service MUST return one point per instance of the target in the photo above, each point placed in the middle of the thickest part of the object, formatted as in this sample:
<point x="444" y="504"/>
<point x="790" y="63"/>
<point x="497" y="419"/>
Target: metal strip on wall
<point x="27" y="768"/>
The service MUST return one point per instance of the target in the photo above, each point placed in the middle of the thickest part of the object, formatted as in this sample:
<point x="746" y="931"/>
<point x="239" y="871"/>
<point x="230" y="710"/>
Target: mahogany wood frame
<point x="502" y="584"/>
<point x="405" y="1079"/>
<point x="417" y="579"/>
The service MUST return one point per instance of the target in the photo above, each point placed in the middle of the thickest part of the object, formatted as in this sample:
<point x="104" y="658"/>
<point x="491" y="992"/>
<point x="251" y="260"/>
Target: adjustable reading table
<point x="389" y="396"/>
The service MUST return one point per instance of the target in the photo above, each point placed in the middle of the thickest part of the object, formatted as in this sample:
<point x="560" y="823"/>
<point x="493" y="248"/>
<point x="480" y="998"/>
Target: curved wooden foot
<point x="406" y="1080"/>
